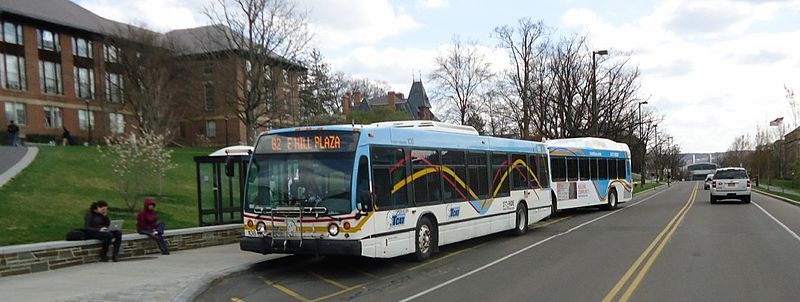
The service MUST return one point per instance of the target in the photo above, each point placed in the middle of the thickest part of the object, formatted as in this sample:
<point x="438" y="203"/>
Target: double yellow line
<point x="647" y="257"/>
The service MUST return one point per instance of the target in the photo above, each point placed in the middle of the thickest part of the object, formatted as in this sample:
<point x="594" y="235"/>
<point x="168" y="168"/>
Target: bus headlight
<point x="333" y="229"/>
<point x="261" y="228"/>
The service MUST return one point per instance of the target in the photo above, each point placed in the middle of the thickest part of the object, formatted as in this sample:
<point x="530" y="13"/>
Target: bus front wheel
<point x="522" y="219"/>
<point x="425" y="239"/>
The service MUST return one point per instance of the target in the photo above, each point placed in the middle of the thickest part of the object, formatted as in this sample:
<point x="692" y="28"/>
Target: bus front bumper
<point x="264" y="245"/>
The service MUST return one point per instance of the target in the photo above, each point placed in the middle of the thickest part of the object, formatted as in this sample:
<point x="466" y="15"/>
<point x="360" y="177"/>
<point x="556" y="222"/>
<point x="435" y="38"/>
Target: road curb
<point x="653" y="188"/>
<point x="781" y="198"/>
<point x="193" y="290"/>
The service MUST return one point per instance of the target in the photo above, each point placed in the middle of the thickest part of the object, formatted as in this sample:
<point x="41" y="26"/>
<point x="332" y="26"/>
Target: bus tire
<point x="424" y="239"/>
<point x="522" y="219"/>
<point x="553" y="205"/>
<point x="613" y="202"/>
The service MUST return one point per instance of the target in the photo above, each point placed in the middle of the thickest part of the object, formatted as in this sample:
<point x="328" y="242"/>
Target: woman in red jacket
<point x="147" y="224"/>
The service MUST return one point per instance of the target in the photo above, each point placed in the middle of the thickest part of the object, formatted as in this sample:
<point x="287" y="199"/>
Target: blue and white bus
<point x="589" y="171"/>
<point x="389" y="189"/>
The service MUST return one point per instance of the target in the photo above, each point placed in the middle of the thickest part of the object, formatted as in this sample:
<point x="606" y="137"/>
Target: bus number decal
<point x="396" y="218"/>
<point x="508" y="205"/>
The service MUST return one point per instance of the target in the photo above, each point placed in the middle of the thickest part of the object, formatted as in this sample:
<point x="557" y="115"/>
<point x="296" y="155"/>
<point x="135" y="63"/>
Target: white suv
<point x="730" y="183"/>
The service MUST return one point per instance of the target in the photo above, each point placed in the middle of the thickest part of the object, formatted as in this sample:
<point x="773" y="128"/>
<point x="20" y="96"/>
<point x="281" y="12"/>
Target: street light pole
<point x="595" y="119"/>
<point x="226" y="132"/>
<point x="89" y="122"/>
<point x="644" y="143"/>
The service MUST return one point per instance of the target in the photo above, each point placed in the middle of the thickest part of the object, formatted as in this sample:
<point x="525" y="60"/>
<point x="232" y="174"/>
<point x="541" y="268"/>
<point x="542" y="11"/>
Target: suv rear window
<point x="731" y="174"/>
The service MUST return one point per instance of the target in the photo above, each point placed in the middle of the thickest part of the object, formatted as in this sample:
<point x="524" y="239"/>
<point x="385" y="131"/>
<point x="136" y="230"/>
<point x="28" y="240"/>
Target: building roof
<point x="60" y="12"/>
<point x="189" y="41"/>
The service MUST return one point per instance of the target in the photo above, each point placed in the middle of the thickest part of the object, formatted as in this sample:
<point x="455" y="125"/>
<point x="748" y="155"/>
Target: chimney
<point x="357" y="98"/>
<point x="390" y="97"/>
<point x="346" y="103"/>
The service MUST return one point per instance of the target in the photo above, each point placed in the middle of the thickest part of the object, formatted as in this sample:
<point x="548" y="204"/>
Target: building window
<point x="84" y="83"/>
<point x="112" y="53"/>
<point x="82" y="114"/>
<point x="116" y="122"/>
<point x="209" y="94"/>
<point x="50" y="77"/>
<point x="208" y="68"/>
<point x="16" y="112"/>
<point x="48" y="40"/>
<point x="13" y="72"/>
<point x="52" y="117"/>
<point x="285" y="75"/>
<point x="211" y="128"/>
<point x="287" y="98"/>
<point x="114" y="86"/>
<point x="12" y="33"/>
<point x="82" y="47"/>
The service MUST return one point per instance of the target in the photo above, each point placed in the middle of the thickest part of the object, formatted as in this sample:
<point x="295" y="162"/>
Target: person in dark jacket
<point x="96" y="225"/>
<point x="13" y="134"/>
<point x="147" y="224"/>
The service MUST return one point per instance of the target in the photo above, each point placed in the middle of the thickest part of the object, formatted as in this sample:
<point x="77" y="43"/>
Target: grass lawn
<point x="784" y="183"/>
<point x="52" y="195"/>
<point x="782" y="194"/>
<point x="646" y="186"/>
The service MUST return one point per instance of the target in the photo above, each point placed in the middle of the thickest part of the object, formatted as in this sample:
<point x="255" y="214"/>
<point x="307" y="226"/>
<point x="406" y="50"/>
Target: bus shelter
<point x="219" y="196"/>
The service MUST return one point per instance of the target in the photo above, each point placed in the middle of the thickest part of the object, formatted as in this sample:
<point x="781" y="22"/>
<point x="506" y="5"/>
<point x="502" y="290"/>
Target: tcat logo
<point x="454" y="212"/>
<point x="395" y="218"/>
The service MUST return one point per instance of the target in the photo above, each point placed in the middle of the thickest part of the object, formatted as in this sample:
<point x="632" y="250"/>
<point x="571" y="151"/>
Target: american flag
<point x="776" y="122"/>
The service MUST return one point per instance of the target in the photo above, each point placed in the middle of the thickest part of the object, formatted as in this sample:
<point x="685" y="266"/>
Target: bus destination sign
<point x="308" y="141"/>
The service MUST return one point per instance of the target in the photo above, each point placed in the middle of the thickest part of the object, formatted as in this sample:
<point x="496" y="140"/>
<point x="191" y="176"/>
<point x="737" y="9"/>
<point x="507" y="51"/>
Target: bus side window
<point x="520" y="177"/>
<point x="593" y="166"/>
<point x="544" y="174"/>
<point x="389" y="177"/>
<point x="572" y="169"/>
<point x="500" y="175"/>
<point x="427" y="188"/>
<point x="453" y="185"/>
<point x="583" y="165"/>
<point x="362" y="185"/>
<point x="478" y="171"/>
<point x="621" y="171"/>
<point x="533" y="163"/>
<point x="559" y="168"/>
<point x="602" y="165"/>
<point x="612" y="168"/>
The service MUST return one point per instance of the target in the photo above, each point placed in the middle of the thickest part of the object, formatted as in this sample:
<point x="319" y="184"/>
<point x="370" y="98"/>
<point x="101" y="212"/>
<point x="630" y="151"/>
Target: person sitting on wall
<point x="96" y="225"/>
<point x="147" y="224"/>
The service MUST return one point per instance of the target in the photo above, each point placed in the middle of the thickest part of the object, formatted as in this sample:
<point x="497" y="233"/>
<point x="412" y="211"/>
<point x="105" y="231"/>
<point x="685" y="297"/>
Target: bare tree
<point x="459" y="75"/>
<point x="265" y="36"/>
<point x="526" y="44"/>
<point x="157" y="85"/>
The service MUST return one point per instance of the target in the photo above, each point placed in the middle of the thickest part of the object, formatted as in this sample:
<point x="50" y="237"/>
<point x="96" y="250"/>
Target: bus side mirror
<point x="229" y="166"/>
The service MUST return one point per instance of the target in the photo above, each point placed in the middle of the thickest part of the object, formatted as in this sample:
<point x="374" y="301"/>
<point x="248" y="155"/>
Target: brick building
<point x="56" y="72"/>
<point x="417" y="105"/>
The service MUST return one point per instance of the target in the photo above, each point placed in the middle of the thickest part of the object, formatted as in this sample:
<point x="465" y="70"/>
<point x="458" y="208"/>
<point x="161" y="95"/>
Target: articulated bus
<point x="389" y="189"/>
<point x="589" y="172"/>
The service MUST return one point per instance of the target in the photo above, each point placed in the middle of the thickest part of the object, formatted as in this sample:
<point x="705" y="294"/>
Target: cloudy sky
<point x="715" y="69"/>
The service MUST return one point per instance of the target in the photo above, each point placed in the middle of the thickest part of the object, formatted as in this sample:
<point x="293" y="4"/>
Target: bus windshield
<point x="300" y="179"/>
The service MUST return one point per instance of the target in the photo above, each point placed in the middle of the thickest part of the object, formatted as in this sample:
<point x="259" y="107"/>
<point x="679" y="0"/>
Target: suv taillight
<point x="748" y="183"/>
<point x="713" y="184"/>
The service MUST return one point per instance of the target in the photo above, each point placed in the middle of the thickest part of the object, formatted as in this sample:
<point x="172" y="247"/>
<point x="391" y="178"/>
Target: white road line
<point x="523" y="250"/>
<point x="778" y="221"/>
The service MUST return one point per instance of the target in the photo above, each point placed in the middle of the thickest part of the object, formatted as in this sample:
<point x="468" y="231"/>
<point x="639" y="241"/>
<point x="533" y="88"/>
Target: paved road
<point x="666" y="245"/>
<point x="9" y="156"/>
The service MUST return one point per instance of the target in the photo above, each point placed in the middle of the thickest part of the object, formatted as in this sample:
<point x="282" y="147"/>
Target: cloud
<point x="155" y="14"/>
<point x="431" y="4"/>
<point x="763" y="57"/>
<point x="703" y="20"/>
<point x="676" y="68"/>
<point x="346" y="23"/>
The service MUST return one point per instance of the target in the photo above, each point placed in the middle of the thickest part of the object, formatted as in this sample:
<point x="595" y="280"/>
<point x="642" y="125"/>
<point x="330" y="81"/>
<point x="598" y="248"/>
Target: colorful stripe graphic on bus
<point x="451" y="178"/>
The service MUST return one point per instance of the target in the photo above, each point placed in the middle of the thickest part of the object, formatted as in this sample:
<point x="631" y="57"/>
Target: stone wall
<point x="38" y="257"/>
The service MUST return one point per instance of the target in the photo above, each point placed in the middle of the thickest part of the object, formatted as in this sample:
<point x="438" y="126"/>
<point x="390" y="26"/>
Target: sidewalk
<point x="176" y="277"/>
<point x="13" y="160"/>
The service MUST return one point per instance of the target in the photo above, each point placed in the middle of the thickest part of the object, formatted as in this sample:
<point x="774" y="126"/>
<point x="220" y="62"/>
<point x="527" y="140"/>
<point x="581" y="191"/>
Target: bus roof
<point x="588" y="143"/>
<point x="426" y="134"/>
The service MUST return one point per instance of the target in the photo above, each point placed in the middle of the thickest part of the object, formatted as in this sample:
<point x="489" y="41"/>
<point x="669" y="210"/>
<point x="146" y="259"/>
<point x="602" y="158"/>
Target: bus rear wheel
<point x="613" y="202"/>
<point x="522" y="219"/>
<point x="425" y="239"/>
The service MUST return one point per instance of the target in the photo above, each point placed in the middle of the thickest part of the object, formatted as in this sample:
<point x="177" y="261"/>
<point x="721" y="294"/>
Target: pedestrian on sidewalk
<point x="96" y="225"/>
<point x="13" y="133"/>
<point x="147" y="224"/>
